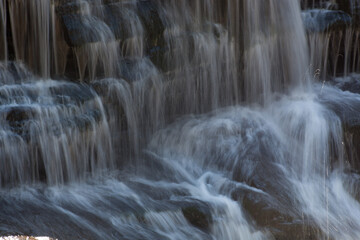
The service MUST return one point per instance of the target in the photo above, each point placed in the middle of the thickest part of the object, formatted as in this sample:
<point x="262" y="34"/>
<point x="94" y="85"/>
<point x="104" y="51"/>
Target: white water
<point x="275" y="52"/>
<point x="230" y="129"/>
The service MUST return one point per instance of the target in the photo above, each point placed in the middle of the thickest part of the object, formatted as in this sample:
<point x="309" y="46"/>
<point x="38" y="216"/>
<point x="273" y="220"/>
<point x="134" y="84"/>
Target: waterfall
<point x="38" y="119"/>
<point x="275" y="48"/>
<point x="3" y="41"/>
<point x="179" y="119"/>
<point x="30" y="26"/>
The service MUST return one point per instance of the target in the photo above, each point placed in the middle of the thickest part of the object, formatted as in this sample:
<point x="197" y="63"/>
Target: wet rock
<point x="137" y="69"/>
<point x="13" y="72"/>
<point x="154" y="27"/>
<point x="297" y="231"/>
<point x="22" y="121"/>
<point x="260" y="208"/>
<point x="348" y="112"/>
<point x="352" y="85"/>
<point x="130" y="68"/>
<point x="351" y="7"/>
<point x="17" y="118"/>
<point x="80" y="29"/>
<point x="78" y="93"/>
<point x="352" y="143"/>
<point x="25" y="238"/>
<point x="80" y="122"/>
<point x="114" y="106"/>
<point x="345" y="5"/>
<point x="320" y="20"/>
<point x="307" y="4"/>
<point x="356" y="19"/>
<point x="123" y="21"/>
<point x="61" y="2"/>
<point x="53" y="110"/>
<point x="114" y="19"/>
<point x="70" y="7"/>
<point x="157" y="56"/>
<point x="282" y="222"/>
<point x="18" y="114"/>
<point x="196" y="217"/>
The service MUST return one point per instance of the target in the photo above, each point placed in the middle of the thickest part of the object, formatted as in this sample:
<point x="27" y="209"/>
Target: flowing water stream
<point x="198" y="119"/>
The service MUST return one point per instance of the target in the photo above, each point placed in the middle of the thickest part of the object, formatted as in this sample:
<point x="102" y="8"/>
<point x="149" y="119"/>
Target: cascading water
<point x="183" y="120"/>
<point x="30" y="26"/>
<point x="3" y="41"/>
<point x="37" y="138"/>
<point x="275" y="52"/>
